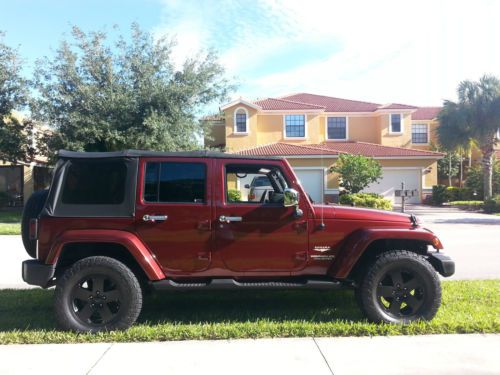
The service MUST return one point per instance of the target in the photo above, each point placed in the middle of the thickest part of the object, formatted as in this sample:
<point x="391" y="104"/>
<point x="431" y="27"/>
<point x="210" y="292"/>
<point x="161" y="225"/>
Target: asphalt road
<point x="471" y="239"/>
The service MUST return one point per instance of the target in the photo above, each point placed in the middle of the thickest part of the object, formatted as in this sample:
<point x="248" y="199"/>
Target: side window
<point x="172" y="182"/>
<point x="254" y="184"/>
<point x="91" y="182"/>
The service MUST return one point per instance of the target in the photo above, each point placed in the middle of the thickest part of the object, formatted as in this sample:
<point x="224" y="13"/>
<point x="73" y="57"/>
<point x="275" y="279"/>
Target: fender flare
<point x="130" y="241"/>
<point x="354" y="246"/>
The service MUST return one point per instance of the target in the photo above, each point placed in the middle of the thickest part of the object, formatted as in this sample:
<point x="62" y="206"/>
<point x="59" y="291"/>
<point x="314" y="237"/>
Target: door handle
<point x="229" y="219"/>
<point x="154" y="218"/>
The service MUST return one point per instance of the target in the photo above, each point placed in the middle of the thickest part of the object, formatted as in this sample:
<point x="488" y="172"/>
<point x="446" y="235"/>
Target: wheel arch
<point x="74" y="245"/>
<point x="364" y="245"/>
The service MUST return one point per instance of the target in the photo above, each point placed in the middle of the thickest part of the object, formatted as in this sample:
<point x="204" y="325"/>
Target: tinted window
<point x="337" y="128"/>
<point x="295" y="126"/>
<point x="396" y="123"/>
<point x="94" y="182"/>
<point x="175" y="182"/>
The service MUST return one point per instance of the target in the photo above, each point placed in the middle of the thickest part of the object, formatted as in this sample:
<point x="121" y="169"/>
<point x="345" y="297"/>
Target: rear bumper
<point x="38" y="273"/>
<point x="442" y="264"/>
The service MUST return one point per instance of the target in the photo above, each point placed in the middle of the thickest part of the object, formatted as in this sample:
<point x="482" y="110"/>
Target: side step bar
<point x="225" y="284"/>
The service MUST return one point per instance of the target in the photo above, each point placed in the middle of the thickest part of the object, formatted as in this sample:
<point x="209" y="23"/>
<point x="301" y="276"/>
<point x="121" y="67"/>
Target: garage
<point x="312" y="180"/>
<point x="391" y="181"/>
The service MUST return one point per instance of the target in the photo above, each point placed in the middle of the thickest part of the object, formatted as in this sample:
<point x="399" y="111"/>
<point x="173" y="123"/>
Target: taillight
<point x="33" y="229"/>
<point x="251" y="196"/>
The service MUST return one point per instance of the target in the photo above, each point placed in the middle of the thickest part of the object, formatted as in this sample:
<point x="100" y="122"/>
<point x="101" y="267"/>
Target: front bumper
<point x="442" y="264"/>
<point x="38" y="273"/>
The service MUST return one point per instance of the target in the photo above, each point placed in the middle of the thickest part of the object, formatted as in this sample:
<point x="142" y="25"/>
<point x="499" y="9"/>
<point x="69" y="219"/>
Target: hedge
<point x="370" y="200"/>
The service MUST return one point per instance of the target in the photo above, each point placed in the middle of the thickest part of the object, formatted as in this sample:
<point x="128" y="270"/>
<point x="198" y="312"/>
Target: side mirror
<point x="247" y="186"/>
<point x="291" y="198"/>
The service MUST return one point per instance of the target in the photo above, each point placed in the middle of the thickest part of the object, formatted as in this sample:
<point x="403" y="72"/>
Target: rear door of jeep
<point x="173" y="212"/>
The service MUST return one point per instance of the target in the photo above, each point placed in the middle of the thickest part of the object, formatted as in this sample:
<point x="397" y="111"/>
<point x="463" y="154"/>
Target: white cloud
<point x="382" y="51"/>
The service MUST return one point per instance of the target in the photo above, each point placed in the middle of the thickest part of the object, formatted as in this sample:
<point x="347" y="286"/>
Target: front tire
<point x="97" y="294"/>
<point x="400" y="287"/>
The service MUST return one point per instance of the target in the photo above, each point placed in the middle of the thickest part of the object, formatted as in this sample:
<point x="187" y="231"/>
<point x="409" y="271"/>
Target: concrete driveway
<point x="471" y="239"/>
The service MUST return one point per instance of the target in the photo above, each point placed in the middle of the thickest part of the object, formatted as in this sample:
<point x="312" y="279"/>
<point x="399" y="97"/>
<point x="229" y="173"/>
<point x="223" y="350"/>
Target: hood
<point x="354" y="213"/>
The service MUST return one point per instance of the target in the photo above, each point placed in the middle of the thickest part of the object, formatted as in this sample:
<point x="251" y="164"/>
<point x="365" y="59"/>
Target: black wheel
<point x="97" y="294"/>
<point x="31" y="210"/>
<point x="400" y="287"/>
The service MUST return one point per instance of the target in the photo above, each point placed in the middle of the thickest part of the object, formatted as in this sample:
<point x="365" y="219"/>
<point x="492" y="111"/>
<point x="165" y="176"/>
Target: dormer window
<point x="396" y="123"/>
<point x="241" y="121"/>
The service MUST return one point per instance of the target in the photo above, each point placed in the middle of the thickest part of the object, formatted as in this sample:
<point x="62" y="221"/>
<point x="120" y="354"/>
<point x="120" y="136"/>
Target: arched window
<point x="241" y="120"/>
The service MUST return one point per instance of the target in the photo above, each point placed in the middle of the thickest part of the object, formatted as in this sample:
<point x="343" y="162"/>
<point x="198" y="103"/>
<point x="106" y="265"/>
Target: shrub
<point x="356" y="172"/>
<point x="459" y="194"/>
<point x="468" y="205"/>
<point x="370" y="200"/>
<point x="492" y="205"/>
<point x="439" y="195"/>
<point x="234" y="195"/>
<point x="474" y="179"/>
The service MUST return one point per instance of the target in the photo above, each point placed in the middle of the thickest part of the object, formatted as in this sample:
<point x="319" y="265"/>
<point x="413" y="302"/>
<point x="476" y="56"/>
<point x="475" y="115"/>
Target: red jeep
<point x="115" y="224"/>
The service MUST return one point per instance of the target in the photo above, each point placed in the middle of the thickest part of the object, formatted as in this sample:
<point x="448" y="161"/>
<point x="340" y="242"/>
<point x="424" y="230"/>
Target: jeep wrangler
<point x="113" y="225"/>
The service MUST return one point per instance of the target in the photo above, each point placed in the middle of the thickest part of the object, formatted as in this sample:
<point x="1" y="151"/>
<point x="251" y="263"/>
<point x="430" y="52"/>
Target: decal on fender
<point x="322" y="249"/>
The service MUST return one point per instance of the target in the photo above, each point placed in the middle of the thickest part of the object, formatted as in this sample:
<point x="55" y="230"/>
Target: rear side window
<point x="95" y="183"/>
<point x="172" y="182"/>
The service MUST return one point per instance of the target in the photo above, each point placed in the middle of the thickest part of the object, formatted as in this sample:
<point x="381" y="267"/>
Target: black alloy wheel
<point x="399" y="287"/>
<point x="97" y="294"/>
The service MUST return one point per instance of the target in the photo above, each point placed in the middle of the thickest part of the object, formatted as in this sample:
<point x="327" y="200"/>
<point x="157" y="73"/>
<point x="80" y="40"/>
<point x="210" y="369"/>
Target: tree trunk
<point x="487" y="162"/>
<point x="461" y="171"/>
<point x="449" y="170"/>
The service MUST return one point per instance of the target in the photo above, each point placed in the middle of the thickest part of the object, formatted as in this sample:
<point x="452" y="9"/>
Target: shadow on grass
<point x="32" y="309"/>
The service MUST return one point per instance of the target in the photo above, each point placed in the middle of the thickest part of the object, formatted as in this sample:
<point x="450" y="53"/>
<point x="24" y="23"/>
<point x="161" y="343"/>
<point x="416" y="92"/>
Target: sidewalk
<point x="435" y="354"/>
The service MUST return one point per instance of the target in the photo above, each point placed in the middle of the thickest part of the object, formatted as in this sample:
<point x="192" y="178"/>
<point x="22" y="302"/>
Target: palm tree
<point x="475" y="117"/>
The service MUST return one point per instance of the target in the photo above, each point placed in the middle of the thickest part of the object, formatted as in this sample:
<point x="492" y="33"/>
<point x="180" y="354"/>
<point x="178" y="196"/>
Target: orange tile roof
<point x="272" y="104"/>
<point x="336" y="148"/>
<point x="426" y="113"/>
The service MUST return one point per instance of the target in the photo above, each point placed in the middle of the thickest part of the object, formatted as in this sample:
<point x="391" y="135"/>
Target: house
<point x="311" y="131"/>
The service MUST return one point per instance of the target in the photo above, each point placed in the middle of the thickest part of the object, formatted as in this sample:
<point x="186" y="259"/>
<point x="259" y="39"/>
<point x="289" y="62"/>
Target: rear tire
<point x="399" y="287"/>
<point x="97" y="294"/>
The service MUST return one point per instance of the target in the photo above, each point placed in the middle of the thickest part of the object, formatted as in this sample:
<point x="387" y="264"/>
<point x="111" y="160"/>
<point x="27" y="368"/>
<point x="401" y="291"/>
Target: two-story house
<point x="311" y="131"/>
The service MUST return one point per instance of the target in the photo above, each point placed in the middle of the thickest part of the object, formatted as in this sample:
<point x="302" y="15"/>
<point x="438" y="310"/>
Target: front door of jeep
<point x="173" y="212"/>
<point x="254" y="231"/>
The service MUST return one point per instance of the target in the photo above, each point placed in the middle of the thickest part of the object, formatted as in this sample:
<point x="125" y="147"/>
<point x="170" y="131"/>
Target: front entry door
<point x="254" y="231"/>
<point x="174" y="211"/>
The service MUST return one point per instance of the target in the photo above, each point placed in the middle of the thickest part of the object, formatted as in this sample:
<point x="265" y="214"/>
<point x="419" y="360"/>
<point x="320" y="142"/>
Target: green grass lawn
<point x="468" y="306"/>
<point x="10" y="222"/>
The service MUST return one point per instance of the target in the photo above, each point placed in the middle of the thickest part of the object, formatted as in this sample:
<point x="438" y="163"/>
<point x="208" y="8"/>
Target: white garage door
<point x="391" y="181"/>
<point x="312" y="181"/>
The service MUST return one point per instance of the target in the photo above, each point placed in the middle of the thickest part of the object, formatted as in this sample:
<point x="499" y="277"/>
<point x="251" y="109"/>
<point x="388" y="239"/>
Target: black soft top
<point x="64" y="154"/>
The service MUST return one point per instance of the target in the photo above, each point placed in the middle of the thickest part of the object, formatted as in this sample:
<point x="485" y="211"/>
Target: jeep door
<point x="254" y="236"/>
<point x="174" y="211"/>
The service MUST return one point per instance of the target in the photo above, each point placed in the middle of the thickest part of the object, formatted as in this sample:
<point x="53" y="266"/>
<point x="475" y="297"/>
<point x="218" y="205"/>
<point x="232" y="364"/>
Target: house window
<point x="295" y="126"/>
<point x="419" y="134"/>
<point x="396" y="123"/>
<point x="241" y="120"/>
<point x="337" y="128"/>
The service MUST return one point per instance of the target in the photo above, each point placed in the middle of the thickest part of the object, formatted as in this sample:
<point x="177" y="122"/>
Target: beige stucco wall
<point x="395" y="140"/>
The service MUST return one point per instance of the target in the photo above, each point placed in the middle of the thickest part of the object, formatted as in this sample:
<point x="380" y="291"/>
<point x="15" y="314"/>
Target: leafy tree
<point x="476" y="116"/>
<point x="356" y="172"/>
<point x="103" y="96"/>
<point x="449" y="166"/>
<point x="15" y="134"/>
<point x="475" y="179"/>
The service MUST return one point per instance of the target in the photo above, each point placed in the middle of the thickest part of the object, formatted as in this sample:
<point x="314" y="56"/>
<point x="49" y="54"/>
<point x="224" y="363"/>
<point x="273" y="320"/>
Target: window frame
<point x="401" y="123"/>
<point x="225" y="195"/>
<point x="420" y="143"/>
<point x="235" y="127"/>
<point x="305" y="125"/>
<point x="346" y="129"/>
<point x="143" y="185"/>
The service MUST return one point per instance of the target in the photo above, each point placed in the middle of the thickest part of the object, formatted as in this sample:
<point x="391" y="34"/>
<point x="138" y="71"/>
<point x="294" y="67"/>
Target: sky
<point x="411" y="52"/>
